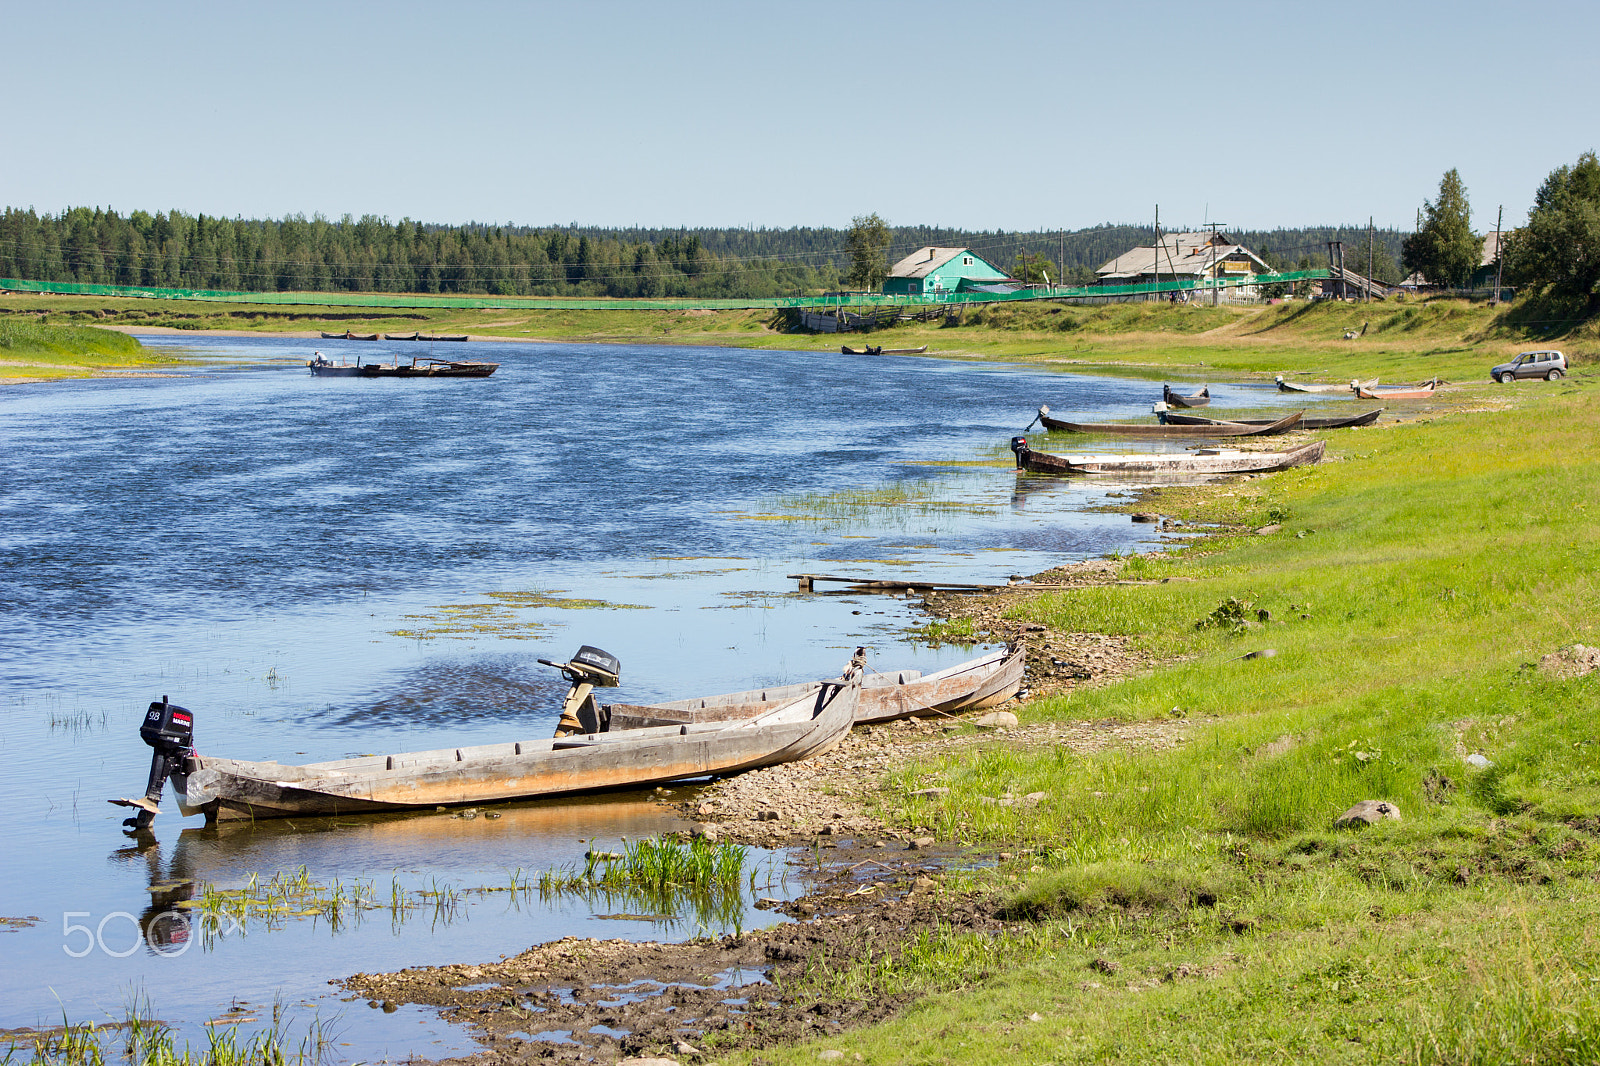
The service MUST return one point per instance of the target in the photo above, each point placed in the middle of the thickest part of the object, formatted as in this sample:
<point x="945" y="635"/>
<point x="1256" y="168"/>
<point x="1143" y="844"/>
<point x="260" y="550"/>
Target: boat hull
<point x="1305" y="423"/>
<point x="1172" y="465"/>
<point x="979" y="683"/>
<point x="235" y="790"/>
<point x="1173" y="428"/>
<point x="1199" y="399"/>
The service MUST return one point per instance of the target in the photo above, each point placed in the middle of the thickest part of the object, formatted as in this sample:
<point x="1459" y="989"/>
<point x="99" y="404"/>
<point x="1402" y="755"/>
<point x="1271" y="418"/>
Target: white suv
<point x="1549" y="364"/>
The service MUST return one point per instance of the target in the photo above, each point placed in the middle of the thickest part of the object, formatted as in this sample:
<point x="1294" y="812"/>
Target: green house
<point x="928" y="271"/>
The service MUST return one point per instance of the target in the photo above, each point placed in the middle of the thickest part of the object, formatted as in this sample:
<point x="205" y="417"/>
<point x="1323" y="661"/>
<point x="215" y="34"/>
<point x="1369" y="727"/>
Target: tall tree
<point x="1560" y="245"/>
<point x="1034" y="268"/>
<point x="867" y="244"/>
<point x="1443" y="250"/>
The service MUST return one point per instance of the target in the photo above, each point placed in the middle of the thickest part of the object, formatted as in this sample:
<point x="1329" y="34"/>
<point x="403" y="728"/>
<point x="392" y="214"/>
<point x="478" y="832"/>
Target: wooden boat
<point x="1290" y="386"/>
<point x="441" y="336"/>
<point x="400" y="336"/>
<point x="983" y="682"/>
<point x="1199" y="399"/>
<point x="424" y="367"/>
<point x="322" y="367"/>
<point x="1417" y="392"/>
<point x="349" y="336"/>
<point x="870" y="350"/>
<point x="1182" y="464"/>
<point x="1305" y="423"/>
<point x="234" y="789"/>
<point x="1202" y="427"/>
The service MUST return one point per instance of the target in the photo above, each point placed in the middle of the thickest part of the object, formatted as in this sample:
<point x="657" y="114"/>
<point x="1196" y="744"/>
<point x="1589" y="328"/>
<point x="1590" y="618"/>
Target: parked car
<point x="1549" y="364"/>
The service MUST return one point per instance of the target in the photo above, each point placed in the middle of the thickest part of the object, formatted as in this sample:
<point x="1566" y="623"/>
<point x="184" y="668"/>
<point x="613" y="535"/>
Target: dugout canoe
<point x="1203" y="427"/>
<point x="973" y="685"/>
<point x="1416" y="392"/>
<point x="227" y="790"/>
<point x="1305" y="423"/>
<point x="349" y="336"/>
<point x="1198" y="399"/>
<point x="845" y="349"/>
<point x="1179" y="464"/>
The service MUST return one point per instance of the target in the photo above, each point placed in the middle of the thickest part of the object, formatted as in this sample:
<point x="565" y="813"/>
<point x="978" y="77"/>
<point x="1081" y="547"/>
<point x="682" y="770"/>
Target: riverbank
<point x="1182" y="892"/>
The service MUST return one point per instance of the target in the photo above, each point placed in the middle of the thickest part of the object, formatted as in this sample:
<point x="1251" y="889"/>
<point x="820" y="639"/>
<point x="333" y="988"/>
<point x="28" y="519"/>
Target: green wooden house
<point x="928" y="271"/>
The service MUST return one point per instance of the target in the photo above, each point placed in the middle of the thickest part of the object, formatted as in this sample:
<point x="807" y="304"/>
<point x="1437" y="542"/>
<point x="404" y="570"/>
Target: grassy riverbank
<point x="34" y="349"/>
<point x="1197" y="905"/>
<point x="1397" y="340"/>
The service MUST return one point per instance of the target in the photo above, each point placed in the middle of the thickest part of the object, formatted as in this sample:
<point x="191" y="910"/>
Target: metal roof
<point x="1180" y="253"/>
<point x="924" y="261"/>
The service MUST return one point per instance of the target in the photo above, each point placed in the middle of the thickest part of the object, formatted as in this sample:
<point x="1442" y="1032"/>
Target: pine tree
<point x="1443" y="250"/>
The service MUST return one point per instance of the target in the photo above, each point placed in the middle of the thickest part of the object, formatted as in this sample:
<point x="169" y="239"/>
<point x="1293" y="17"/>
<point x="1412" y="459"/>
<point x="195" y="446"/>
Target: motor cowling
<point x="167" y="725"/>
<point x="1019" y="445"/>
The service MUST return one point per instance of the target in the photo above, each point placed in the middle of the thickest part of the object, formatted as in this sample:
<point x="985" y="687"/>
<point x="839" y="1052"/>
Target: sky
<point x="1016" y="116"/>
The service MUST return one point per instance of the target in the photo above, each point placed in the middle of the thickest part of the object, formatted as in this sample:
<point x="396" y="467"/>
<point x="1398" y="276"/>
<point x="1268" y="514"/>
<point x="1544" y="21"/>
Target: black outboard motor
<point x="169" y="730"/>
<point x="591" y="667"/>
<point x="1018" y="446"/>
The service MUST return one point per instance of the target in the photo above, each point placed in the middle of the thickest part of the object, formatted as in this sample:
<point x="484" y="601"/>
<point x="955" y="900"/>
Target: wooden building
<point x="931" y="271"/>
<point x="1188" y="257"/>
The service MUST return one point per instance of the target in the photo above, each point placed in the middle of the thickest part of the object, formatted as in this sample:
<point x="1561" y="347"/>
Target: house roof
<point x="1179" y="253"/>
<point x="1493" y="241"/>
<point x="924" y="261"/>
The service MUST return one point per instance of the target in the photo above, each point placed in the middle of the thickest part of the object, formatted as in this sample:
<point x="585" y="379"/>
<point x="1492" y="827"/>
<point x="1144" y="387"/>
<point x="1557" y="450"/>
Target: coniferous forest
<point x="369" y="254"/>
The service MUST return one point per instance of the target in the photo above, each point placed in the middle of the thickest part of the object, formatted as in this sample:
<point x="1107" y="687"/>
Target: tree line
<point x="369" y="254"/>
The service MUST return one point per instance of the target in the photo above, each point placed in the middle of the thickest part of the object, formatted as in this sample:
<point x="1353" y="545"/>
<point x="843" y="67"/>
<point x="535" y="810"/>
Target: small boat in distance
<point x="427" y="367"/>
<point x="441" y="336"/>
<point x="1290" y="386"/>
<point x="870" y="350"/>
<point x="323" y="367"/>
<point x="1199" y="427"/>
<point x="400" y="336"/>
<point x="1305" y="423"/>
<point x="974" y="685"/>
<point x="1412" y="392"/>
<point x="347" y="336"/>
<point x="1173" y="399"/>
<point x="1204" y="461"/>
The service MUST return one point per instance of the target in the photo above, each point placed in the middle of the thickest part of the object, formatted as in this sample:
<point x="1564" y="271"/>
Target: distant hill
<point x="369" y="254"/>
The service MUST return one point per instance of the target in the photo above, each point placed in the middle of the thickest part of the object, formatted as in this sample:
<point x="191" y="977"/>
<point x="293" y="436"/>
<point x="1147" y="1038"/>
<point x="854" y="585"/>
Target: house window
<point x="966" y="260"/>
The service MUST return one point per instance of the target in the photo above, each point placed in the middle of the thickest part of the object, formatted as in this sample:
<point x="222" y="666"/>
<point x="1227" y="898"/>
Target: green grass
<point x="666" y="879"/>
<point x="1196" y="903"/>
<point x="30" y="347"/>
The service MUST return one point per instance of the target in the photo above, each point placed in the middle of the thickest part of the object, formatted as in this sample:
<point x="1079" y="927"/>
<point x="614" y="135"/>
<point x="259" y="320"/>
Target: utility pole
<point x="1499" y="262"/>
<point x="1158" y="252"/>
<point x="1369" y="261"/>
<point x="1211" y="268"/>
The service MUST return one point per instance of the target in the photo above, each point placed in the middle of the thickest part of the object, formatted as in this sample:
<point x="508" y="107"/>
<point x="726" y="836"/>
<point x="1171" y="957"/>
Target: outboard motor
<point x="1019" y="445"/>
<point x="168" y="729"/>
<point x="591" y="667"/>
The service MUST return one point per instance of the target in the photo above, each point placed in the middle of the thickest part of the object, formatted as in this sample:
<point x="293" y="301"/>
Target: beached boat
<point x="1291" y="386"/>
<point x="1414" y="392"/>
<point x="441" y="336"/>
<point x="400" y="336"/>
<point x="979" y="683"/>
<point x="870" y="350"/>
<point x="1203" y="461"/>
<point x="1199" y="399"/>
<point x="349" y="336"/>
<point x="1305" y="423"/>
<point x="234" y="789"/>
<point x="1204" y="427"/>
<point x="424" y="367"/>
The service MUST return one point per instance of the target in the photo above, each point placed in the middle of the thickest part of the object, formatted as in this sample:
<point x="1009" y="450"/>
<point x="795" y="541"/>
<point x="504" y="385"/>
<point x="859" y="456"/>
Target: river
<point x="323" y="567"/>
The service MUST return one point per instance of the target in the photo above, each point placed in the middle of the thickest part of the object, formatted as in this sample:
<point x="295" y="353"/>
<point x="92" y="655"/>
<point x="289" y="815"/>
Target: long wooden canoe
<point x="1305" y="423"/>
<point x="1205" y="461"/>
<point x="1419" y="392"/>
<point x="845" y="349"/>
<point x="233" y="789"/>
<point x="979" y="683"/>
<point x="1173" y="399"/>
<point x="1290" y="386"/>
<point x="1172" y="428"/>
<point x="348" y="336"/>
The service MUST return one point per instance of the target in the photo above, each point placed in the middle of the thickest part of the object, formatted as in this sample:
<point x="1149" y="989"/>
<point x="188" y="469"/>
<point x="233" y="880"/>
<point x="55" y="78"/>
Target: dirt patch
<point x="598" y="1000"/>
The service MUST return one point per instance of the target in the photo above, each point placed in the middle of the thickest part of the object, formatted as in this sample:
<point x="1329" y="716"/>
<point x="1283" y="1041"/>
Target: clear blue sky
<point x="980" y="115"/>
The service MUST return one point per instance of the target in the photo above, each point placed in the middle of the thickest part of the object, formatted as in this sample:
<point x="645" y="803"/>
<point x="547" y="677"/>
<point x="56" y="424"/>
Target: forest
<point x="177" y="250"/>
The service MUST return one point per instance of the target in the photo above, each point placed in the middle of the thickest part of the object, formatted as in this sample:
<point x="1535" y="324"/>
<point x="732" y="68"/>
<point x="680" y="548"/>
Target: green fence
<point x="537" y="303"/>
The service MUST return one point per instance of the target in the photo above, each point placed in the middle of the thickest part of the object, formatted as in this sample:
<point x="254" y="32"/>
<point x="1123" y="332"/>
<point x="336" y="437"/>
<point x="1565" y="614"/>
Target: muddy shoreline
<point x="874" y="889"/>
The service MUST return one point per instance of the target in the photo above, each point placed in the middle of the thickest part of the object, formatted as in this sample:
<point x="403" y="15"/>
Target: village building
<point x="934" y="271"/>
<point x="1189" y="257"/>
<point x="1488" y="259"/>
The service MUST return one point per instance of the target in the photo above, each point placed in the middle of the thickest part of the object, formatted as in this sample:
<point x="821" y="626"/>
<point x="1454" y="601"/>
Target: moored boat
<point x="1291" y="386"/>
<point x="400" y="336"/>
<point x="441" y="336"/>
<point x="973" y="685"/>
<point x="323" y="367"/>
<point x="1414" y="392"/>
<point x="1180" y="464"/>
<point x="234" y="789"/>
<point x="1172" y="428"/>
<point x="425" y="367"/>
<point x="347" y="336"/>
<point x="1198" y="399"/>
<point x="1305" y="423"/>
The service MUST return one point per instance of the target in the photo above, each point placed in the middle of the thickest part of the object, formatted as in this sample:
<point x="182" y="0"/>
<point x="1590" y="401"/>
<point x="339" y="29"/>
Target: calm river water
<point x="302" y="562"/>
